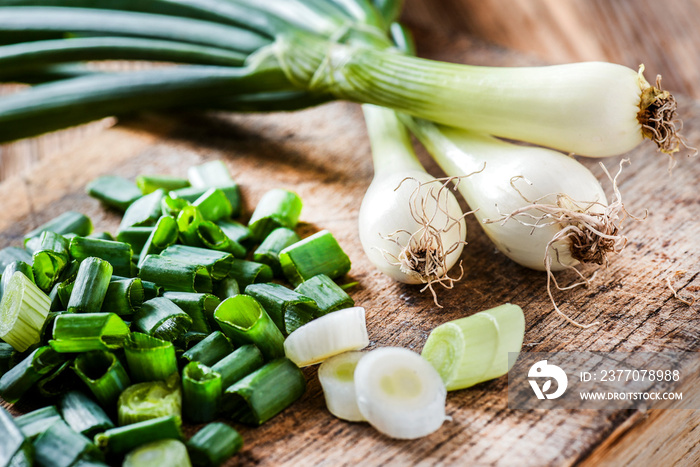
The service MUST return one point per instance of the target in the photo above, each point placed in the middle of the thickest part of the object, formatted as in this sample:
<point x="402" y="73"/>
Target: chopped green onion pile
<point x="169" y="323"/>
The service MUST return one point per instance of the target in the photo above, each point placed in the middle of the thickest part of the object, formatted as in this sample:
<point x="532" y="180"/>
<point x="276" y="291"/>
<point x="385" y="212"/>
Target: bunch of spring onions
<point x="174" y="319"/>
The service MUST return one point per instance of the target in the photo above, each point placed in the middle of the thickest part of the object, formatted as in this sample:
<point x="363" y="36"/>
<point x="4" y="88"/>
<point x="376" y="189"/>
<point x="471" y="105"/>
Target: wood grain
<point x="323" y="154"/>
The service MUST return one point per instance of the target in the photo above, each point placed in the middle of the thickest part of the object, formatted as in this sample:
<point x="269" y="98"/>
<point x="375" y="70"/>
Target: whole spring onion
<point x="329" y="335"/>
<point x="399" y="393"/>
<point x="336" y="376"/>
<point x="592" y="108"/>
<point x="470" y="350"/>
<point x="540" y="208"/>
<point x="411" y="225"/>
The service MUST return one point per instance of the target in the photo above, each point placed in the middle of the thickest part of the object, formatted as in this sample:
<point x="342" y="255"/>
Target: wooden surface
<point x="323" y="154"/>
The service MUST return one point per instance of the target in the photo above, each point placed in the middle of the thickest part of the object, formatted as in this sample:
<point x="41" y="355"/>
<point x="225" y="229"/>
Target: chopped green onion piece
<point x="399" y="393"/>
<point x="172" y="274"/>
<point x="201" y="392"/>
<point x="189" y="340"/>
<point x="124" y="297"/>
<point x="266" y="392"/>
<point x="10" y="269"/>
<point x="104" y="375"/>
<point x="135" y="236"/>
<point x="6" y="355"/>
<point x="16" y="382"/>
<point x="242" y="362"/>
<point x="88" y="461"/>
<point x="187" y="223"/>
<point x="36" y="422"/>
<point x="269" y="250"/>
<point x="90" y="286"/>
<point x="245" y="321"/>
<point x="214" y="173"/>
<point x="214" y="205"/>
<point x="287" y="308"/>
<point x="151" y="290"/>
<point x="163" y="235"/>
<point x="230" y="191"/>
<point x="217" y="263"/>
<point x="68" y="222"/>
<point x="470" y="350"/>
<point x="328" y="295"/>
<point x="226" y="288"/>
<point x="82" y="332"/>
<point x="236" y="231"/>
<point x="143" y="211"/>
<point x="149" y="358"/>
<point x="13" y="253"/>
<point x="189" y="194"/>
<point x="170" y="452"/>
<point x="114" y="191"/>
<point x="58" y="381"/>
<point x="200" y="307"/>
<point x="329" y="335"/>
<point x="69" y="272"/>
<point x="47" y="329"/>
<point x="60" y="446"/>
<point x="150" y="183"/>
<point x="118" y="254"/>
<point x="123" y="439"/>
<point x="318" y="254"/>
<point x="64" y="290"/>
<point x="49" y="259"/>
<point x="249" y="272"/>
<point x="171" y="206"/>
<point x="23" y="311"/>
<point x="162" y="319"/>
<point x="153" y="399"/>
<point x="338" y="384"/>
<point x="102" y="236"/>
<point x="83" y="414"/>
<point x="213" y="445"/>
<point x="277" y="208"/>
<point x="56" y="303"/>
<point x="212" y="237"/>
<point x="15" y="448"/>
<point x="210" y="350"/>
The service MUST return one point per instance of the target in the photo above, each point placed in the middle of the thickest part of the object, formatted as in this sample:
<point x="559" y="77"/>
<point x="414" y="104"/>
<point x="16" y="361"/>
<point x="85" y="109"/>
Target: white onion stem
<point x="400" y="393"/>
<point x="329" y="335"/>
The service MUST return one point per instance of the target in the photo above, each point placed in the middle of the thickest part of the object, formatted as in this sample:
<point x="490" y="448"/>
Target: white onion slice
<point x="329" y="335"/>
<point x="337" y="380"/>
<point x="400" y="393"/>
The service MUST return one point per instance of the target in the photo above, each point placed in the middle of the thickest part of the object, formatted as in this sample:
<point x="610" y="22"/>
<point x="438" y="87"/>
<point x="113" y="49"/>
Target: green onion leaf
<point x="10" y="269"/>
<point x="16" y="382"/>
<point x="118" y="254"/>
<point x="242" y="362"/>
<point x="83" y="414"/>
<point x="187" y="223"/>
<point x="68" y="222"/>
<point x="172" y="206"/>
<point x="318" y="254"/>
<point x="124" y="296"/>
<point x="164" y="234"/>
<point x="245" y="321"/>
<point x="149" y="358"/>
<point x="114" y="191"/>
<point x="249" y="272"/>
<point x="170" y="452"/>
<point x="217" y="263"/>
<point x="277" y="208"/>
<point x="236" y="231"/>
<point x="15" y="448"/>
<point x="210" y="350"/>
<point x="269" y="250"/>
<point x="82" y="332"/>
<point x="212" y="237"/>
<point x="209" y="174"/>
<point x="213" y="445"/>
<point x="49" y="259"/>
<point x="214" y="205"/>
<point x="328" y="295"/>
<point x="143" y="211"/>
<point x="172" y="274"/>
<point x="58" y="381"/>
<point x="226" y="288"/>
<point x="60" y="446"/>
<point x="149" y="400"/>
<point x="287" y="308"/>
<point x="123" y="439"/>
<point x="199" y="306"/>
<point x="13" y="253"/>
<point x="36" y="422"/>
<point x="266" y="392"/>
<point x="150" y="183"/>
<point x="90" y="286"/>
<point x="104" y="375"/>
<point x="201" y="392"/>
<point x="23" y="311"/>
<point x="162" y="319"/>
<point x="134" y="236"/>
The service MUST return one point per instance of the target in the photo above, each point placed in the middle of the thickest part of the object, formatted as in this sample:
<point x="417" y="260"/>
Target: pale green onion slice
<point x="337" y="380"/>
<point x="470" y="350"/>
<point x="327" y="336"/>
<point x="146" y="401"/>
<point x="170" y="452"/>
<point x="400" y="393"/>
<point x="23" y="310"/>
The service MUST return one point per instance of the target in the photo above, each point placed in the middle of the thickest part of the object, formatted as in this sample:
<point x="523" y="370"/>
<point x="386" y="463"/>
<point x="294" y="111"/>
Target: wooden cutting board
<point x="323" y="154"/>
